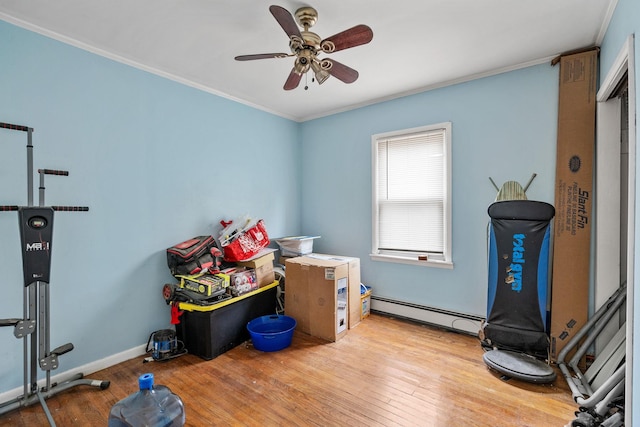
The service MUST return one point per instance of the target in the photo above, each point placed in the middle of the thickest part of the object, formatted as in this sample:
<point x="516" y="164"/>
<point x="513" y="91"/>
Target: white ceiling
<point x="417" y="44"/>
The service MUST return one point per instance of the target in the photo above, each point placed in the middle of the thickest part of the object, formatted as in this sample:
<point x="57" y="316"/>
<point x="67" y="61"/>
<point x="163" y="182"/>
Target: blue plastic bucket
<point x="272" y="332"/>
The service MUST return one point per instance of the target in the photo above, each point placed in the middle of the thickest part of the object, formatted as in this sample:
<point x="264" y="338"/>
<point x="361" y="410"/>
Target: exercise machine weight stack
<point x="36" y="232"/>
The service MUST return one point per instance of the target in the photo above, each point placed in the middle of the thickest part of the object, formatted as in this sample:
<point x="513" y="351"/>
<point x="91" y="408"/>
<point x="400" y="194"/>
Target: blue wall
<point x="624" y="23"/>
<point x="157" y="162"/>
<point x="503" y="127"/>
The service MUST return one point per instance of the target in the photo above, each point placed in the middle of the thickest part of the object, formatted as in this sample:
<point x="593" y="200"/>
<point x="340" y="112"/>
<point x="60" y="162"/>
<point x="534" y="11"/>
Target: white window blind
<point x="411" y="206"/>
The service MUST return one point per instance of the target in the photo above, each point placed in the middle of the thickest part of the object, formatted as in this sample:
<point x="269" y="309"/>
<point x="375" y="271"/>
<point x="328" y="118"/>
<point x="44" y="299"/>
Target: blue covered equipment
<point x="516" y="331"/>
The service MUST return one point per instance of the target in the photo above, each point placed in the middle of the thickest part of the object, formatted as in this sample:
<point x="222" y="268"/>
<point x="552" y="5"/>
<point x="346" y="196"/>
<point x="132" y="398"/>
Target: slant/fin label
<point x="574" y="70"/>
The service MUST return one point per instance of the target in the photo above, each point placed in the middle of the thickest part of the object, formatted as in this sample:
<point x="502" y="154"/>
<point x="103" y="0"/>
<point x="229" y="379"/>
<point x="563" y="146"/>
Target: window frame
<point x="441" y="261"/>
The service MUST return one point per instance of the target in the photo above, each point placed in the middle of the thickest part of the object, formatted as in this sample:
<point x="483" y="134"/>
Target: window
<point x="412" y="196"/>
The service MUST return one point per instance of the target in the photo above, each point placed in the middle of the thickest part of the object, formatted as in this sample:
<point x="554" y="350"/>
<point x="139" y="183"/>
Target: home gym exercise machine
<point x="515" y="332"/>
<point x="36" y="232"/>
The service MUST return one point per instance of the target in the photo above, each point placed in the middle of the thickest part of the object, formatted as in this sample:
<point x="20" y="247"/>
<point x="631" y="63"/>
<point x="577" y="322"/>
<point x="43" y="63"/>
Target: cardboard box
<point x="205" y="284"/>
<point x="354" y="284"/>
<point x="317" y="296"/>
<point x="365" y="303"/>
<point x="262" y="264"/>
<point x="242" y="280"/>
<point x="282" y="260"/>
<point x="573" y="197"/>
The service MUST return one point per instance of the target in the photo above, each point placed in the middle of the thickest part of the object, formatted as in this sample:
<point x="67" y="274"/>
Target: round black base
<point x="520" y="366"/>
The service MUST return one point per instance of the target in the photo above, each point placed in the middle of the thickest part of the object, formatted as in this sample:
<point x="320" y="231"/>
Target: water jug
<point x="152" y="406"/>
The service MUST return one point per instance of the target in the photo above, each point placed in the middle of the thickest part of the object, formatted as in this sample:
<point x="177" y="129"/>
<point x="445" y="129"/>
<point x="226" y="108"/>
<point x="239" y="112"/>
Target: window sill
<point x="412" y="261"/>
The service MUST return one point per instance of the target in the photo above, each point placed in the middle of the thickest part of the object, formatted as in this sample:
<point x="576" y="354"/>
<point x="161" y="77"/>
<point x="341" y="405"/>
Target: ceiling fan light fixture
<point x="301" y="65"/>
<point x="321" y="75"/>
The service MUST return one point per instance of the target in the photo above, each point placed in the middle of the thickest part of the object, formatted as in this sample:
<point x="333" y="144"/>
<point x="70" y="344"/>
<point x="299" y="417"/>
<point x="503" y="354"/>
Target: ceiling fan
<point x="307" y="46"/>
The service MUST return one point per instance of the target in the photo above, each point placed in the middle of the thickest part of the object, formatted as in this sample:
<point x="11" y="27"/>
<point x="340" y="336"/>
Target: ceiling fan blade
<point x="293" y="80"/>
<point x="341" y="71"/>
<point x="261" y="56"/>
<point x="286" y="21"/>
<point x="355" y="36"/>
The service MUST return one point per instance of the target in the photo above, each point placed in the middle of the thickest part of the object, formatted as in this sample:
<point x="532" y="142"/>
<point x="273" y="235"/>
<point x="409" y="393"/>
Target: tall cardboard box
<point x="354" y="284"/>
<point x="573" y="196"/>
<point x="317" y="295"/>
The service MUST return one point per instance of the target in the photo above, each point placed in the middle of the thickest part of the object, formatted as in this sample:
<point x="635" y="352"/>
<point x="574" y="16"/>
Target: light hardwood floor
<point x="384" y="372"/>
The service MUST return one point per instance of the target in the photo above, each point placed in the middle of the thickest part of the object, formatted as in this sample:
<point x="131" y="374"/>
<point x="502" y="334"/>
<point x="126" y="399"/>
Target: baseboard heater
<point x="457" y="322"/>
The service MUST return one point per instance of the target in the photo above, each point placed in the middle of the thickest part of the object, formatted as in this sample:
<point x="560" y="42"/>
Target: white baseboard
<point x="86" y="370"/>
<point x="458" y="322"/>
